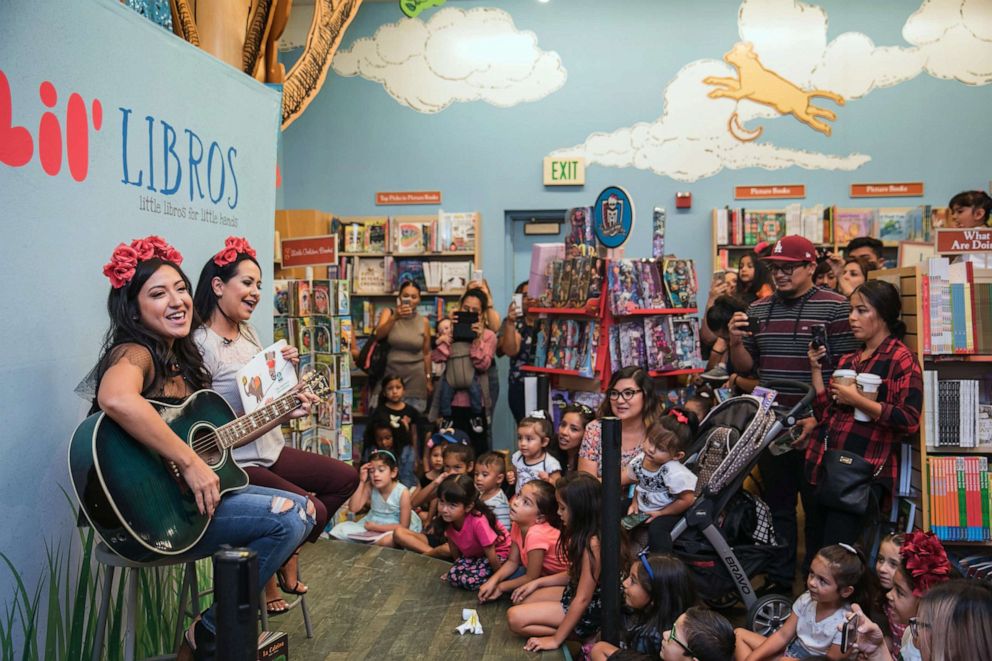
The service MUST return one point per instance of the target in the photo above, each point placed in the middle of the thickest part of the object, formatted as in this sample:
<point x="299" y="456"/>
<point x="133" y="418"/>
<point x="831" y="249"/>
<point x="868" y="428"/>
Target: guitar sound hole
<point x="205" y="446"/>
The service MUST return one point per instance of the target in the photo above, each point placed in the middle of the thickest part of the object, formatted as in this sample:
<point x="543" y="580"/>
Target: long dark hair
<point x="205" y="300"/>
<point x="544" y="498"/>
<point x="460" y="490"/>
<point x="582" y="495"/>
<point x="126" y="328"/>
<point x="652" y="410"/>
<point x="477" y="293"/>
<point x="762" y="277"/>
<point x="672" y="592"/>
<point x="884" y="297"/>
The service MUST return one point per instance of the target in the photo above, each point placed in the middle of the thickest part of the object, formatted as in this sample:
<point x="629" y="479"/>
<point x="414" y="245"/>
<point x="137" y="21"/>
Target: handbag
<point x="845" y="480"/>
<point x="372" y="359"/>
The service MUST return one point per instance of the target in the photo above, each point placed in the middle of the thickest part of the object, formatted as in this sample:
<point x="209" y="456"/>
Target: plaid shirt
<point x="901" y="396"/>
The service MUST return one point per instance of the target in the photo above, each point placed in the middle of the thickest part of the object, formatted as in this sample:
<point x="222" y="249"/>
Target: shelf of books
<point x="440" y="252"/>
<point x="957" y="300"/>
<point x="315" y="317"/>
<point x="598" y="315"/>
<point x="736" y="231"/>
<point x="953" y="327"/>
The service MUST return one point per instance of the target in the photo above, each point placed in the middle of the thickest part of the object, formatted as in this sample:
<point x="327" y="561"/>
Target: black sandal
<point x="284" y="586"/>
<point x="200" y="642"/>
<point x="276" y="611"/>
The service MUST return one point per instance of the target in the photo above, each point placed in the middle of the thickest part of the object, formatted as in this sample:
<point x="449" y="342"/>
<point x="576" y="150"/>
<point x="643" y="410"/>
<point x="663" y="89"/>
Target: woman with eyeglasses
<point x="954" y="623"/>
<point x="630" y="397"/>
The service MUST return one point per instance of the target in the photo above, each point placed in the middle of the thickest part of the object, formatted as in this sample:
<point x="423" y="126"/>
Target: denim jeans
<point x="254" y="518"/>
<point x="446" y="393"/>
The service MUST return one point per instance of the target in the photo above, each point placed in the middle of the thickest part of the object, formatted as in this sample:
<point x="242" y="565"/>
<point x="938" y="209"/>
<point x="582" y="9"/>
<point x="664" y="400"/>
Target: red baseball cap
<point x="792" y="248"/>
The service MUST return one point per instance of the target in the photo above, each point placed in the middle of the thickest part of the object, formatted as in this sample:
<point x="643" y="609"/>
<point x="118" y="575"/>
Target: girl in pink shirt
<point x="534" y="532"/>
<point x="478" y="542"/>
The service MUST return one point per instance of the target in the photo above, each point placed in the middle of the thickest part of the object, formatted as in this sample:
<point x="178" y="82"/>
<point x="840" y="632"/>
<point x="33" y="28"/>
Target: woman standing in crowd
<point x="516" y="341"/>
<point x="149" y="353"/>
<point x="409" y="337"/>
<point x="480" y="353"/>
<point x="630" y="397"/>
<point x="892" y="413"/>
<point x="227" y="292"/>
<point x="852" y="275"/>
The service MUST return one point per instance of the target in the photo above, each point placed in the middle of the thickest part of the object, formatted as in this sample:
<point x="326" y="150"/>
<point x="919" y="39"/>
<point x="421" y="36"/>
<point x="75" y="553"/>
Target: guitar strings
<point x="210" y="441"/>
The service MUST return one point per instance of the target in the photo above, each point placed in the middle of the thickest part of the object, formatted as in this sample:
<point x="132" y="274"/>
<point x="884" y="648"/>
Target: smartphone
<point x="631" y="521"/>
<point x="406" y="300"/>
<point x="477" y="275"/>
<point x="819" y="332"/>
<point x="753" y="325"/>
<point x="849" y="634"/>
<point x="518" y="300"/>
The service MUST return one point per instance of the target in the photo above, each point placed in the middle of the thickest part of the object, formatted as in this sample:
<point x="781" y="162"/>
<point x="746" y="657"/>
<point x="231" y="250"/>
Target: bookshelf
<point x="953" y="480"/>
<point x="598" y="316"/>
<point x="737" y="231"/>
<point x="440" y="251"/>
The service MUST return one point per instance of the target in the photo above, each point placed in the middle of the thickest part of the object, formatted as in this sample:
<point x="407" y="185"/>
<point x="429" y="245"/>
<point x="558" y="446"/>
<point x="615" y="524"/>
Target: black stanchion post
<point x="236" y="598"/>
<point x="543" y="393"/>
<point x="609" y="578"/>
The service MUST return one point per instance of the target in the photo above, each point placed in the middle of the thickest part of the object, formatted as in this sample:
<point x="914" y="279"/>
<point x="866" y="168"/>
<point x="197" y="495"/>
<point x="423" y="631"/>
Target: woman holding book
<point x="409" y="336"/>
<point x="149" y="354"/>
<point x="226" y="295"/>
<point x="854" y="419"/>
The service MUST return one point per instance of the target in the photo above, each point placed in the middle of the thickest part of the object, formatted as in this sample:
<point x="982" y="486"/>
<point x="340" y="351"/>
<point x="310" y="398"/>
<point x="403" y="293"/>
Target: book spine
<point x="925" y="308"/>
<point x="962" y="498"/>
<point x="983" y="482"/>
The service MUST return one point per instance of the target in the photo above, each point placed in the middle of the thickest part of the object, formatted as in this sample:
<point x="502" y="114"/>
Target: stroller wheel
<point x="723" y="602"/>
<point x="768" y="614"/>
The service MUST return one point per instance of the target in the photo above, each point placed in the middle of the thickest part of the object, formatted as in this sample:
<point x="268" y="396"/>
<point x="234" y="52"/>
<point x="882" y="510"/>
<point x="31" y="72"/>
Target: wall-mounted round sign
<point x="613" y="216"/>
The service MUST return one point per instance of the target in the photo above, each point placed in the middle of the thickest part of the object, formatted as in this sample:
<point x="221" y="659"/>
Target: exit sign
<point x="564" y="171"/>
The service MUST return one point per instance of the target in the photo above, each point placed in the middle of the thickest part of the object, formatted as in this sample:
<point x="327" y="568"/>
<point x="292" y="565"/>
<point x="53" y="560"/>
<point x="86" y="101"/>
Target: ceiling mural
<point x="455" y="56"/>
<point x="783" y="67"/>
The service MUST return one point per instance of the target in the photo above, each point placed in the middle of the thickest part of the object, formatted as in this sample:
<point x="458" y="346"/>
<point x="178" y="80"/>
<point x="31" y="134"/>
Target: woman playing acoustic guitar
<point x="148" y="353"/>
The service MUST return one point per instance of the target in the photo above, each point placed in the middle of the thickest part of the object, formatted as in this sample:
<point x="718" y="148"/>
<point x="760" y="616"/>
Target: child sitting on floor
<point x="390" y="504"/>
<point x="837" y="578"/>
<point x="490" y="473"/>
<point x="479" y="544"/>
<point x="532" y="461"/>
<point x="534" y="535"/>
<point x="658" y="589"/>
<point x="457" y="459"/>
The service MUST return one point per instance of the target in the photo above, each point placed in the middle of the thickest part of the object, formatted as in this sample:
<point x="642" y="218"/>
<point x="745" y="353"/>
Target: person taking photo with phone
<point x="468" y="354"/>
<point x="772" y="339"/>
<point x="409" y="336"/>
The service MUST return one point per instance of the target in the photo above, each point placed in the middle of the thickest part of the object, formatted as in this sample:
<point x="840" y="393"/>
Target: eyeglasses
<point x="623" y="395"/>
<point x="785" y="269"/>
<point x="672" y="636"/>
<point x="915" y="624"/>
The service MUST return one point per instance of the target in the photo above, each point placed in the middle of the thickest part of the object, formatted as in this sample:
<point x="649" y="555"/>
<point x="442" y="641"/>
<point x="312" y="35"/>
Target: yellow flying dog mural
<point x="756" y="83"/>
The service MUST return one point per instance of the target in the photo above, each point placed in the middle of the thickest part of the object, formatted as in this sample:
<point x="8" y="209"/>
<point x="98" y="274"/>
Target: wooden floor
<point x="368" y="602"/>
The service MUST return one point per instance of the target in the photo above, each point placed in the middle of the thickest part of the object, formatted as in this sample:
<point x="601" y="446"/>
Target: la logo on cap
<point x="778" y="247"/>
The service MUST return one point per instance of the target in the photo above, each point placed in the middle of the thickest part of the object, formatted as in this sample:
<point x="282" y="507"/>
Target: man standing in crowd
<point x="869" y="248"/>
<point x="783" y="325"/>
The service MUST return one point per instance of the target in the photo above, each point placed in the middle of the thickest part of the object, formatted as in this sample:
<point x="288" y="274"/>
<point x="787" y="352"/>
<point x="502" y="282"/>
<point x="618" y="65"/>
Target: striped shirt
<point x="779" y="349"/>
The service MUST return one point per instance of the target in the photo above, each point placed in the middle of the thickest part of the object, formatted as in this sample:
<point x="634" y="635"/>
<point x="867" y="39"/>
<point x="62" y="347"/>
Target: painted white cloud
<point x="950" y="39"/>
<point x="457" y="55"/>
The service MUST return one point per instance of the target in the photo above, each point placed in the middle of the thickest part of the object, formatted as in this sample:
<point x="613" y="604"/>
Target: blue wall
<point x="57" y="232"/>
<point x="355" y="139"/>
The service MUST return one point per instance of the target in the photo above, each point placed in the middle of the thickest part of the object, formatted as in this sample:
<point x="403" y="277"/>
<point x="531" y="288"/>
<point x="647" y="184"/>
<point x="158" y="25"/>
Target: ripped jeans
<point x="270" y="522"/>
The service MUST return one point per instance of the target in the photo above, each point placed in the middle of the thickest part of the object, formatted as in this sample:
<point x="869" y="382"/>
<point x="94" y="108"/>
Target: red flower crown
<point x="925" y="560"/>
<point x="233" y="245"/>
<point x="120" y="269"/>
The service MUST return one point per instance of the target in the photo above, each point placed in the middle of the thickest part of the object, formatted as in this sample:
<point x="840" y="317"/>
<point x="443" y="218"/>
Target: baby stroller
<point x="726" y="537"/>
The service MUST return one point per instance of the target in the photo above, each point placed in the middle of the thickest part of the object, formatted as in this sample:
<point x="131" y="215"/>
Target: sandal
<point x="284" y="585"/>
<point x="276" y="610"/>
<point x="198" y="643"/>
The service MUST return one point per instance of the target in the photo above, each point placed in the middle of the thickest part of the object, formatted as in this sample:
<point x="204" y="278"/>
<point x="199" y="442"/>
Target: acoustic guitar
<point x="136" y="499"/>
